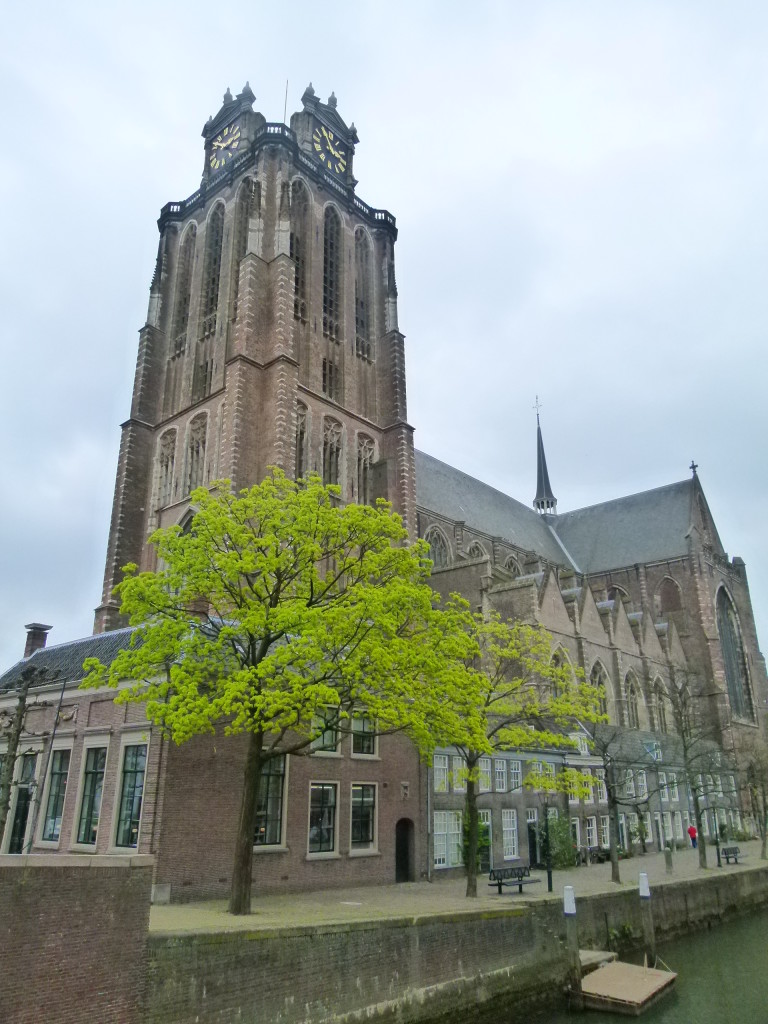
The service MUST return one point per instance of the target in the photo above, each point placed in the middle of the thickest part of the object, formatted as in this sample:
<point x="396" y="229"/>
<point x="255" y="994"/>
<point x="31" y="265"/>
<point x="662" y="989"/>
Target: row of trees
<point x="279" y="613"/>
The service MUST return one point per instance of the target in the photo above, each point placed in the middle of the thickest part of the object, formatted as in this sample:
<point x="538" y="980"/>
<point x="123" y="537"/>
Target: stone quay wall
<point x="73" y="938"/>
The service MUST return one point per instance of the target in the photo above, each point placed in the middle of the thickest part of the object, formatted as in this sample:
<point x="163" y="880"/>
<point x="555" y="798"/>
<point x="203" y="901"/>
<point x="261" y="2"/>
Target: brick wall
<point x="73" y="934"/>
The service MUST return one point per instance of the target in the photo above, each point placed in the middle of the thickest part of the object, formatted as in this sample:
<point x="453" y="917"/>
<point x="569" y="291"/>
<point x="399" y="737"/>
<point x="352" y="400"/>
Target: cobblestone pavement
<point x="421" y="899"/>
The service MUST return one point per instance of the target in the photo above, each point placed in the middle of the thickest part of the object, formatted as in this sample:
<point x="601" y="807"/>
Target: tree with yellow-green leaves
<point x="280" y="613"/>
<point x="511" y="695"/>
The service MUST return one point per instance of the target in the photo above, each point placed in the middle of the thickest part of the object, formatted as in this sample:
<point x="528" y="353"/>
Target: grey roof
<point x="64" y="662"/>
<point x="645" y="527"/>
<point x="449" y="492"/>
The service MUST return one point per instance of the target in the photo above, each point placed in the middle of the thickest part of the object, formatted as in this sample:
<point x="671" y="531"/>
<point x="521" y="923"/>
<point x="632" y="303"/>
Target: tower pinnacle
<point x="545" y="501"/>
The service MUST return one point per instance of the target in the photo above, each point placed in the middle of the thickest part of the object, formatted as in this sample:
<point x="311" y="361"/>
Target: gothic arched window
<point x="598" y="678"/>
<point x="209" y="304"/>
<point x="332" y="438"/>
<point x="301" y="441"/>
<point x="365" y="458"/>
<point x="668" y="598"/>
<point x="298" y="247"/>
<point x="363" y="290"/>
<point x="476" y="550"/>
<point x="166" y="456"/>
<point x="198" y="430"/>
<point x="331" y="274"/>
<point x="246" y="207"/>
<point x="183" y="290"/>
<point x="659" y="706"/>
<point x="633" y="708"/>
<point x="734" y="660"/>
<point x="438" y="547"/>
<point x="513" y="566"/>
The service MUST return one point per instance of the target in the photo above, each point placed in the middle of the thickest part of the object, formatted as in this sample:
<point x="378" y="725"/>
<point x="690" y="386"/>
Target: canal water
<point x="722" y="978"/>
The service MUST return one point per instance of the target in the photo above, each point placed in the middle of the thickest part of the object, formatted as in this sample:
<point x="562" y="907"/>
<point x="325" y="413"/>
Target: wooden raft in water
<point x="625" y="988"/>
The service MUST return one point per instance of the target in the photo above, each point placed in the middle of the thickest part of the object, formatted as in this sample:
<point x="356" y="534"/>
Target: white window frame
<point x="500" y="770"/>
<point x="358" y="731"/>
<point x="53" y="844"/>
<point x="576" y="831"/>
<point x="25" y="747"/>
<point x="316" y="748"/>
<point x="485" y="818"/>
<point x="666" y="818"/>
<point x="515" y="769"/>
<point x="373" y="846"/>
<point x="458" y="774"/>
<point x="592" y="832"/>
<point x="674" y="792"/>
<point x="127" y="739"/>
<point x="642" y="783"/>
<point x="678" y="825"/>
<point x="663" y="789"/>
<point x="324" y="854"/>
<point x="446" y="851"/>
<point x="485" y="780"/>
<point x="629" y="783"/>
<point x="605" y="831"/>
<point x="510" y="836"/>
<point x="440" y="768"/>
<point x="602" y="789"/>
<point x="91" y="741"/>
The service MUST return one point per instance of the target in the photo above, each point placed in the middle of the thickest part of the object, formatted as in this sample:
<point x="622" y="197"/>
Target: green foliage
<point x="275" y="605"/>
<point x="483" y="839"/>
<point x="564" y="853"/>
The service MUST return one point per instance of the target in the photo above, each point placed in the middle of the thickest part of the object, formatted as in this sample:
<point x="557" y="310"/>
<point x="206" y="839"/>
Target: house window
<point x="663" y="791"/>
<point x="93" y="783"/>
<point x="500" y="766"/>
<point x="602" y="791"/>
<point x="24" y="788"/>
<point x="447" y="839"/>
<point x="648" y="827"/>
<point x="673" y="790"/>
<point x="440" y="771"/>
<point x="322" y="817"/>
<point x="573" y="792"/>
<point x="331" y="274"/>
<point x="576" y="832"/>
<point x="363" y="736"/>
<point x="629" y="784"/>
<point x="591" y="832"/>
<point x="667" y="819"/>
<point x="132" y="788"/>
<point x="509" y="832"/>
<point x="56" y="793"/>
<point x="605" y="832"/>
<point x="642" y="784"/>
<point x="459" y="775"/>
<point x="269" y="809"/>
<point x="363" y="816"/>
<point x="485" y="774"/>
<point x="515" y="775"/>
<point x="678" y="825"/>
<point x="331" y="452"/>
<point x="326" y="732"/>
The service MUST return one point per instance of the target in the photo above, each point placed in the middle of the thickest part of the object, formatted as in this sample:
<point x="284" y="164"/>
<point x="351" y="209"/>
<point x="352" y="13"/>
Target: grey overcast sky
<point x="580" y="190"/>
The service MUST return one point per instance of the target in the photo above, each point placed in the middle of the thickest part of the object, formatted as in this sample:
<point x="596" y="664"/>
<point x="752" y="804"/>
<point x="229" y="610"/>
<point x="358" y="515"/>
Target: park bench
<point x="730" y="851"/>
<point x="519" y="876"/>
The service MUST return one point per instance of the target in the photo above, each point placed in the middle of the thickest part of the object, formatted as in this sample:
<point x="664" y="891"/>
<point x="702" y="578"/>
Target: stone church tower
<point x="271" y="336"/>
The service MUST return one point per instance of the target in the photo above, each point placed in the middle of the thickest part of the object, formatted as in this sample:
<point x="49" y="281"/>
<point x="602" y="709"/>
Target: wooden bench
<point x="519" y="876"/>
<point x="730" y="851"/>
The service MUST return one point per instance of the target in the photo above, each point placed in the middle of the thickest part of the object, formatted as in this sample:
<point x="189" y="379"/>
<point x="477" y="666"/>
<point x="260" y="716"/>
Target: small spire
<point x="227" y="96"/>
<point x="545" y="501"/>
<point x="332" y="101"/>
<point x="693" y="467"/>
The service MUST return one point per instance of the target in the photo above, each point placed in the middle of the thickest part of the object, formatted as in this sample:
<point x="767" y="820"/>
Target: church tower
<point x="271" y="335"/>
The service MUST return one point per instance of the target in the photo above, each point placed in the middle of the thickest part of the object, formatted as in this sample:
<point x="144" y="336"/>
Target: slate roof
<point x="441" y="488"/>
<point x="646" y="527"/>
<point x="67" y="659"/>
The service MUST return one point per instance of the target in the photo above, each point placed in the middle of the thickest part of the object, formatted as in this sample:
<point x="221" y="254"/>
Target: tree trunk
<point x="242" y="870"/>
<point x="763" y="830"/>
<point x="700" y="834"/>
<point x="9" y="758"/>
<point x="472" y="830"/>
<point x="613" y="835"/>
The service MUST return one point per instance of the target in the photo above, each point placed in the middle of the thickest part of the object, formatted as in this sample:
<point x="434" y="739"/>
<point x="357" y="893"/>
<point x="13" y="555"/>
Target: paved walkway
<point x="422" y="899"/>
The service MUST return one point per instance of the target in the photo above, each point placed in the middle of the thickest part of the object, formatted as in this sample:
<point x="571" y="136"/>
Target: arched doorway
<point x="404" y="851"/>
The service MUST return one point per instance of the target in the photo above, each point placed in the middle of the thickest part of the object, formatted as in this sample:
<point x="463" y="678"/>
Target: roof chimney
<point x="37" y="635"/>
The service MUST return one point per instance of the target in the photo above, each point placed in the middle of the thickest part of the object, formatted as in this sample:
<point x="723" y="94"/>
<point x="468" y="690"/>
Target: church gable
<point x="675" y="652"/>
<point x="553" y="612"/>
<point x="650" y="642"/>
<point x="623" y="636"/>
<point x="592" y="626"/>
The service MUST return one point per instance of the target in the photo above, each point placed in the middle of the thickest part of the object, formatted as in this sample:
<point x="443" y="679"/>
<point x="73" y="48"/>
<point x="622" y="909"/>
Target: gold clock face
<point x="329" y="150"/>
<point x="224" y="146"/>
